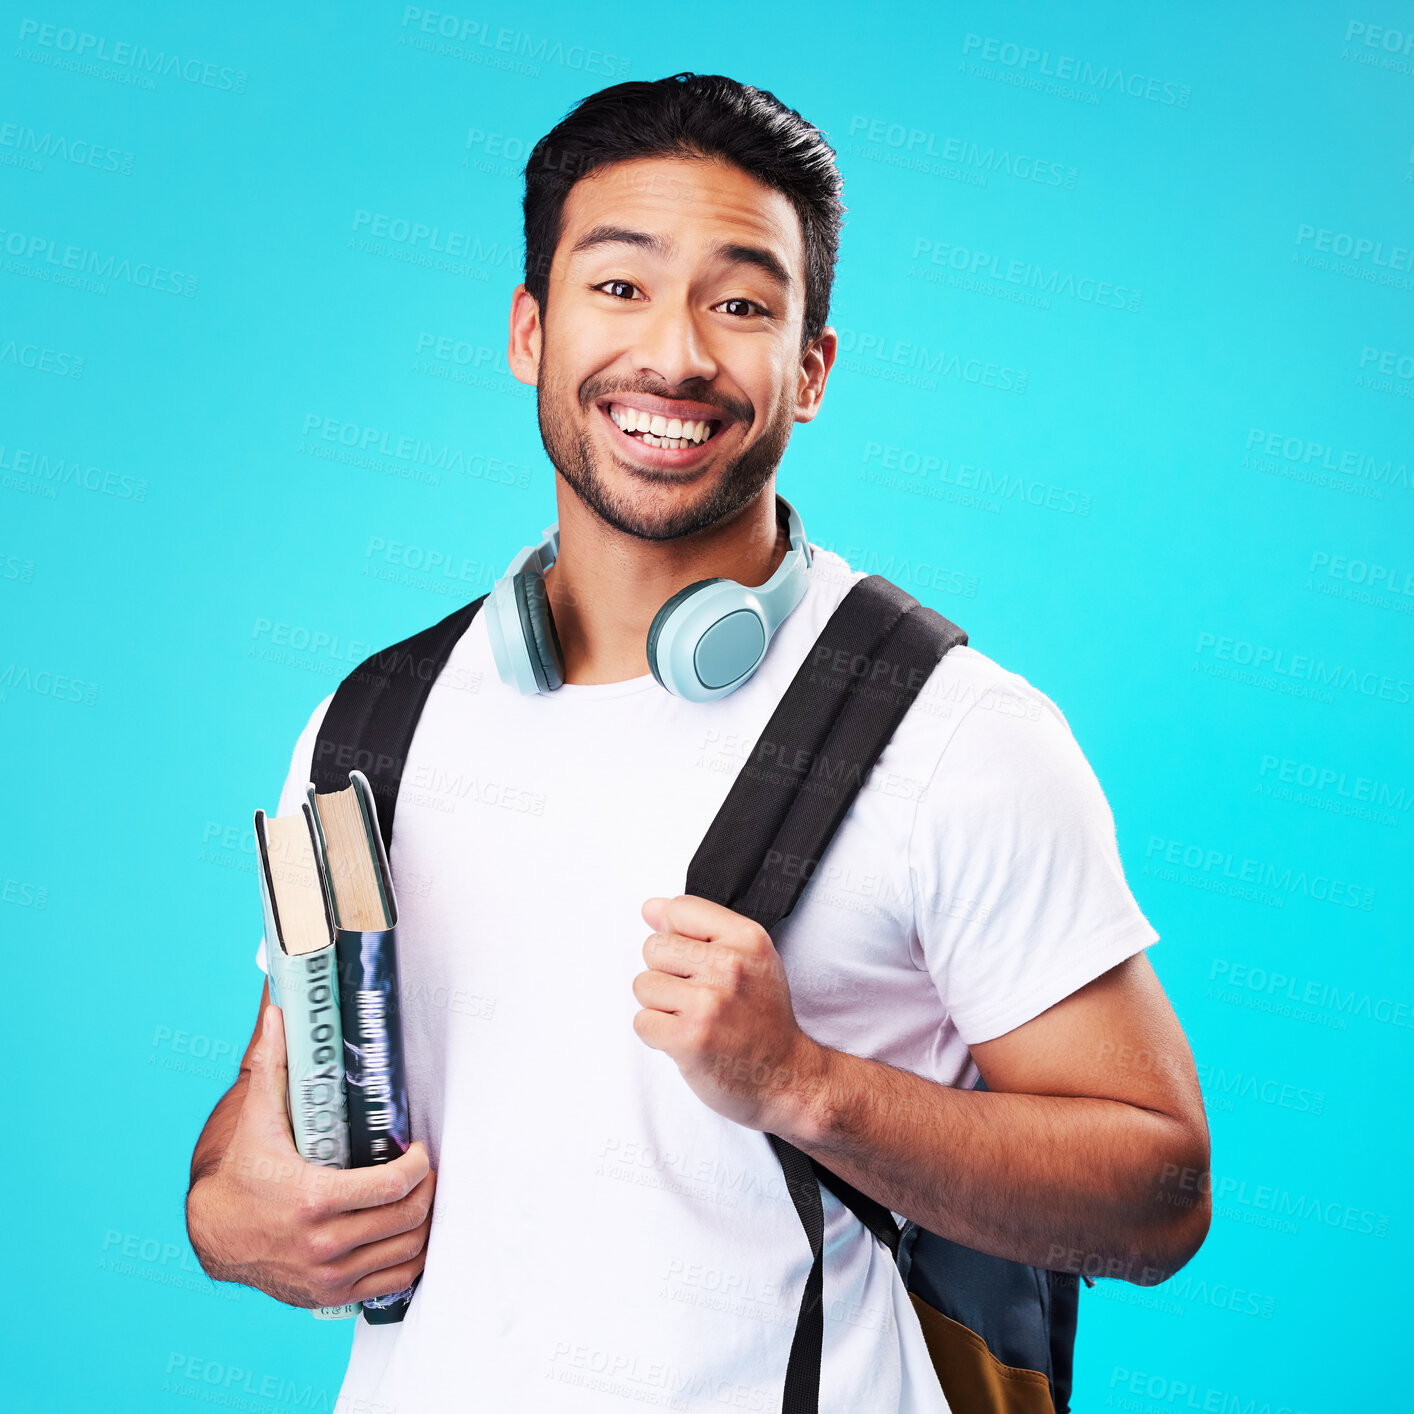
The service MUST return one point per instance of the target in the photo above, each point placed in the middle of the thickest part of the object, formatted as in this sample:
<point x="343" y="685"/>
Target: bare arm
<point x="216" y="1133"/>
<point x="1088" y="1152"/>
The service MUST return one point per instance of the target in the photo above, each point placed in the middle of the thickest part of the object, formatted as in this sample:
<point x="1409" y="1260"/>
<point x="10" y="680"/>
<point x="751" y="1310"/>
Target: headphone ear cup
<point x="660" y="622"/>
<point x="547" y="658"/>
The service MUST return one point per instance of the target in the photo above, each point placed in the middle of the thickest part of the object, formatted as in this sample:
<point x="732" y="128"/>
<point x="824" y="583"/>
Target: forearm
<point x="216" y="1134"/>
<point x="1065" y="1182"/>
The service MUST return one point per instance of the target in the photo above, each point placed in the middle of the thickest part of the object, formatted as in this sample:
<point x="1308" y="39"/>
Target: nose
<point x="672" y="344"/>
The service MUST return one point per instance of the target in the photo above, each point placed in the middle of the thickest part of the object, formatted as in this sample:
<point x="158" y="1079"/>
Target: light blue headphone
<point x="705" y="642"/>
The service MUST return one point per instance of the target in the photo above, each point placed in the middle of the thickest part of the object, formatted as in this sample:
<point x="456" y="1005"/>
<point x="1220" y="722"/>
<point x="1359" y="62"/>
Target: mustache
<point x="595" y="390"/>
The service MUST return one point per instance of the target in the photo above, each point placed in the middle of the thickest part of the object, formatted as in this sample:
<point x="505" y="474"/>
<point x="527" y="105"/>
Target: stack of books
<point x="331" y="923"/>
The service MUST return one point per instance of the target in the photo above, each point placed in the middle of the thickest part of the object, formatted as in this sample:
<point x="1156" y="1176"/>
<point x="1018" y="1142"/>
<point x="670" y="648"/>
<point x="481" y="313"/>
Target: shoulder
<point x="965" y="684"/>
<point x="1000" y="718"/>
<point x="968" y="686"/>
<point x="1004" y="760"/>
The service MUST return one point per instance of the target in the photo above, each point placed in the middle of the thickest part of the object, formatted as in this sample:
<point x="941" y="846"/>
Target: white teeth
<point x="660" y="431"/>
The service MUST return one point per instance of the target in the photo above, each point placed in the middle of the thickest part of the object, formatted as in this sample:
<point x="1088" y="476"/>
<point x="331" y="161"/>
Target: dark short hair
<point x="690" y="115"/>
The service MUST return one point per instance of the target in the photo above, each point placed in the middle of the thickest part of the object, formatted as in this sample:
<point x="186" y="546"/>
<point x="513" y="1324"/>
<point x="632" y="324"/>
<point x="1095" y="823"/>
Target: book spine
<point x="305" y="990"/>
<point x="375" y="1075"/>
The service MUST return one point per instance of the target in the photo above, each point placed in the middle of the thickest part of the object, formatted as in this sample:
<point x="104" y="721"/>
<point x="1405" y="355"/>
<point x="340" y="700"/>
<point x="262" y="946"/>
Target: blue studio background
<point x="1126" y="385"/>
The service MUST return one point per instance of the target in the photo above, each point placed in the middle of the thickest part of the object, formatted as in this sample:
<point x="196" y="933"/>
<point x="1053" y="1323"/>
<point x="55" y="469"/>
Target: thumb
<point x="265" y="1104"/>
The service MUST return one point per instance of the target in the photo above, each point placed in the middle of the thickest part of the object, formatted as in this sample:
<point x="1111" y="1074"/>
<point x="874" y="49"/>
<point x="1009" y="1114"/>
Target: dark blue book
<point x="366" y="942"/>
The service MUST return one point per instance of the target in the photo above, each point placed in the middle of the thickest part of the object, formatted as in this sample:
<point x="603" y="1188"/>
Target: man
<point x="611" y="1226"/>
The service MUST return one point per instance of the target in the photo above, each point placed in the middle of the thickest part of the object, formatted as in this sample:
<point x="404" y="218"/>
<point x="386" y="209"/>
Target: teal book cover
<point x="301" y="956"/>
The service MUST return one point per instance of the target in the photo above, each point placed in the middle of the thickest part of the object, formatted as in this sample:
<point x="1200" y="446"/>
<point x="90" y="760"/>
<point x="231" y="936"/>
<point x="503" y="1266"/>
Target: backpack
<point x="1000" y="1333"/>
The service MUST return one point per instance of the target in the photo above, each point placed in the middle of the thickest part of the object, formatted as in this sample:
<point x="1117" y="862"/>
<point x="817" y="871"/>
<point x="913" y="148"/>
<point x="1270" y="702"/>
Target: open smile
<point x="660" y="433"/>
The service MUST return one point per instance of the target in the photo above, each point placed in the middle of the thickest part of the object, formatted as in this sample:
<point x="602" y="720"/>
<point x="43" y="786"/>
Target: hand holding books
<point x="303" y="1233"/>
<point x="331" y="946"/>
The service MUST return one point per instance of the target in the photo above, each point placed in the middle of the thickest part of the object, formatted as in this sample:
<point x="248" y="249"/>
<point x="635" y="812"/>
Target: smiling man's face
<point x="670" y="368"/>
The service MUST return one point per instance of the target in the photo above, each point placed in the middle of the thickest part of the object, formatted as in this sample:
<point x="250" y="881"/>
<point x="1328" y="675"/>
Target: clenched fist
<point x="715" y="998"/>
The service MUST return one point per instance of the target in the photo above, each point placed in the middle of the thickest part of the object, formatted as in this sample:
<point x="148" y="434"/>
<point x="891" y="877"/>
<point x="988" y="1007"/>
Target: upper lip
<point x="683" y="411"/>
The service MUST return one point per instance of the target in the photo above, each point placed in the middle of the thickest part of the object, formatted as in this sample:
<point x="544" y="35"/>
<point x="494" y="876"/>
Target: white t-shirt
<point x="601" y="1238"/>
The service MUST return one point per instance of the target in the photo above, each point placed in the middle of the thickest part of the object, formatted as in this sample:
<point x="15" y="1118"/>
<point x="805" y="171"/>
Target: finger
<point x="348" y="1231"/>
<point x="388" y="1252"/>
<point x="349" y="1190"/>
<point x="683" y="957"/>
<point x="386" y="1282"/>
<point x="652" y="912"/>
<point x="656" y="1029"/>
<point x="660" y="992"/>
<point x="264" y="1107"/>
<point x="696" y="917"/>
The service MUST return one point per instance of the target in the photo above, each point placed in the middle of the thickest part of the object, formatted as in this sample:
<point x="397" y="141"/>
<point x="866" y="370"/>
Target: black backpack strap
<point x="811" y="760"/>
<point x="370" y="722"/>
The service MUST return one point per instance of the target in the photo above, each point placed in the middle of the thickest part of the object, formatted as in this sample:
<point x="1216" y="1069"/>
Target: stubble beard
<point x="571" y="452"/>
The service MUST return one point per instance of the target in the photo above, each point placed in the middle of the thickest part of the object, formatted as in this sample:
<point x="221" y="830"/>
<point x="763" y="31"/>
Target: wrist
<point x="806" y="1105"/>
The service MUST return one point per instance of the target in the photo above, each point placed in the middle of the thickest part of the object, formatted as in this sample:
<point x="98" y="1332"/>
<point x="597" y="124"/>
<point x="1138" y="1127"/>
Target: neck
<point x="606" y="586"/>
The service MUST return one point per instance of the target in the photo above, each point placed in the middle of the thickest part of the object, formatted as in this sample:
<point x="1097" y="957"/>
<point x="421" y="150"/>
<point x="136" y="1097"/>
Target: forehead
<point x="694" y="202"/>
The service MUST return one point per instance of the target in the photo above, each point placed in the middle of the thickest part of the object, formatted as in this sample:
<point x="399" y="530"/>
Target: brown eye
<point x="743" y="307"/>
<point x="616" y="288"/>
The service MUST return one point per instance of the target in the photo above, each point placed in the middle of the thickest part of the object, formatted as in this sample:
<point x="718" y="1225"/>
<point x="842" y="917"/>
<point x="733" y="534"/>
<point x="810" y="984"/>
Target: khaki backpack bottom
<point x="973" y="1379"/>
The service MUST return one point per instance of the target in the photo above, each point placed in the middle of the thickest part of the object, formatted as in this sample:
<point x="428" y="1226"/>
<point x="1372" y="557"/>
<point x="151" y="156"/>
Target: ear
<point x="523" y="350"/>
<point x="815" y="365"/>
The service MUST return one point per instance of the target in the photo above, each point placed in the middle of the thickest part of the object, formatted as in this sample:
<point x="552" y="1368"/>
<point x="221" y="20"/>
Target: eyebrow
<point x="731" y="251"/>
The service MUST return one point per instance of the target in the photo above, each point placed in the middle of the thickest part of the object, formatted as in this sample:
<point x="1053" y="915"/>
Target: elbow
<point x="1170" y="1250"/>
<point x="1179" y="1212"/>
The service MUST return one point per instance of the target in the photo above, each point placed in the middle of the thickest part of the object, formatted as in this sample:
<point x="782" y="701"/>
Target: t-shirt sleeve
<point x="1019" y="895"/>
<point x="296" y="783"/>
